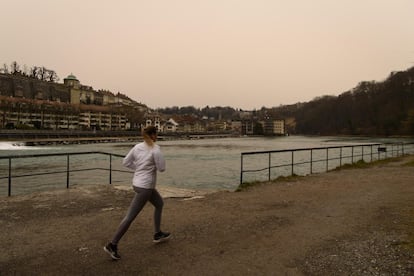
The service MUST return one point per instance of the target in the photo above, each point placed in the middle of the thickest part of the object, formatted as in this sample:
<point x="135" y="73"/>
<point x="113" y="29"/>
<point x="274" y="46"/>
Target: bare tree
<point x="15" y="67"/>
<point x="5" y="69"/>
<point x="33" y="71"/>
<point x="42" y="73"/>
<point x="25" y="70"/>
<point x="52" y="76"/>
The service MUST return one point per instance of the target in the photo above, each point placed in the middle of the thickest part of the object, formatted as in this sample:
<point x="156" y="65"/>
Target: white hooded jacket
<point x="145" y="160"/>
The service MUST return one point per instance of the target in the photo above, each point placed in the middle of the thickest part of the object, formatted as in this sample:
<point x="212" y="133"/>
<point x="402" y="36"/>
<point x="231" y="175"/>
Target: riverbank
<point x="58" y="137"/>
<point x="344" y="222"/>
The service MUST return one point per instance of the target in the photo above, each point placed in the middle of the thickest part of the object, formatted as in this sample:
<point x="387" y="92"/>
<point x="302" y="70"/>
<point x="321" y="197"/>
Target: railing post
<point x="340" y="157"/>
<point x="352" y="155"/>
<point x="269" y="163"/>
<point x="110" y="169"/>
<point x="363" y="153"/>
<point x="311" y="162"/>
<point x="379" y="155"/>
<point x="292" y="162"/>
<point x="371" y="153"/>
<point x="241" y="169"/>
<point x="327" y="159"/>
<point x="67" y="171"/>
<point x="9" y="186"/>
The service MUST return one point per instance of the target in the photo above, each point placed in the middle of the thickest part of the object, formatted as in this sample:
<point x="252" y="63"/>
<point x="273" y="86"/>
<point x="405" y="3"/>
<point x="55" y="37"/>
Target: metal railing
<point x="67" y="170"/>
<point x="293" y="161"/>
<point x="335" y="156"/>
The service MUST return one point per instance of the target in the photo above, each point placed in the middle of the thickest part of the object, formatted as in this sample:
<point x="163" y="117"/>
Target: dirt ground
<point x="355" y="221"/>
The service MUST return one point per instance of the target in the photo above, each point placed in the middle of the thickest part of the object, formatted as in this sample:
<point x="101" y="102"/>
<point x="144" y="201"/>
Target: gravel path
<point x="357" y="221"/>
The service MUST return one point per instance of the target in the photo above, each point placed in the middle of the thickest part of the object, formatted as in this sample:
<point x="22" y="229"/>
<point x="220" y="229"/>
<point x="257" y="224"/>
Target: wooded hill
<point x="383" y="108"/>
<point x="372" y="108"/>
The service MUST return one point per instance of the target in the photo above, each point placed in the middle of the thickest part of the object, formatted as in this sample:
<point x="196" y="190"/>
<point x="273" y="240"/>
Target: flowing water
<point x="204" y="164"/>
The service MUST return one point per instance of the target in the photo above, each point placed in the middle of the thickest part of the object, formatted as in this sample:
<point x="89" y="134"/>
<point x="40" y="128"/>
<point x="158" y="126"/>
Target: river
<point x="203" y="164"/>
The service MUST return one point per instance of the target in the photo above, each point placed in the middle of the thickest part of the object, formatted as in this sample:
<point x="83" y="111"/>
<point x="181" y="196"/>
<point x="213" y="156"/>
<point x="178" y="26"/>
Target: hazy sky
<point x="240" y="53"/>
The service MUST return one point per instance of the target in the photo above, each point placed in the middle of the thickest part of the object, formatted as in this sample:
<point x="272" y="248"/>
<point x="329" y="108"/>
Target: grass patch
<point x="358" y="165"/>
<point x="361" y="164"/>
<point x="246" y="185"/>
<point x="287" y="178"/>
<point x="409" y="164"/>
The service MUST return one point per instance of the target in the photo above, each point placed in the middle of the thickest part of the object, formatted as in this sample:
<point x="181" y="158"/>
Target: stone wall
<point x="24" y="87"/>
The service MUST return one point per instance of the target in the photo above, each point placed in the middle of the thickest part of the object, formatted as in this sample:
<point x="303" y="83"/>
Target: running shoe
<point x="112" y="250"/>
<point x="161" y="236"/>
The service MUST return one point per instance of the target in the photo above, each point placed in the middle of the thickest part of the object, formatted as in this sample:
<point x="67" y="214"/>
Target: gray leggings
<point x="138" y="202"/>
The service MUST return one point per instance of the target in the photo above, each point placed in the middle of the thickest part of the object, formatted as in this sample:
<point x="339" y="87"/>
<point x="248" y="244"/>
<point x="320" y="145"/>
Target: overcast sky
<point x="240" y="53"/>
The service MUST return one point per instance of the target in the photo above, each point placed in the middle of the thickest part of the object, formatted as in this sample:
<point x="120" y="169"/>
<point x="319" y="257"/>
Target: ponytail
<point x="146" y="134"/>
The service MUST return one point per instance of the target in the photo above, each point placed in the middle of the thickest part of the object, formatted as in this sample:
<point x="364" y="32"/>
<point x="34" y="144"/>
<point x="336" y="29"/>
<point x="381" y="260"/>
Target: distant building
<point x="23" y="87"/>
<point x="153" y="119"/>
<point x="247" y="127"/>
<point x="170" y="126"/>
<point x="274" y="127"/>
<point x="30" y="103"/>
<point x="236" y="126"/>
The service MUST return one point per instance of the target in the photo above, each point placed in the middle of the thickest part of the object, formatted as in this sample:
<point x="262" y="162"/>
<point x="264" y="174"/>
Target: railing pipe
<point x="352" y="155"/>
<point x="270" y="164"/>
<point x="110" y="169"/>
<point x="9" y="185"/>
<point x="371" y="153"/>
<point x="67" y="171"/>
<point x="363" y="153"/>
<point x="311" y="161"/>
<point x="241" y="169"/>
<point x="312" y="158"/>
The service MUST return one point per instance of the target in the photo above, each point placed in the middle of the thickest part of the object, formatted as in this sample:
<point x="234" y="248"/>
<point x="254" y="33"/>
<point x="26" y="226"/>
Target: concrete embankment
<point x="43" y="137"/>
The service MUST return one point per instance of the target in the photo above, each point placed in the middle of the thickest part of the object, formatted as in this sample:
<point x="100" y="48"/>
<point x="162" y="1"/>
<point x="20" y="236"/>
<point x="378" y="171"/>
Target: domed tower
<point x="71" y="81"/>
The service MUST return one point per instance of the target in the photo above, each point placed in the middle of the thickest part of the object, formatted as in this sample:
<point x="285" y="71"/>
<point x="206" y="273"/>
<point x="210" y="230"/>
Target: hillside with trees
<point x="371" y="108"/>
<point x="383" y="108"/>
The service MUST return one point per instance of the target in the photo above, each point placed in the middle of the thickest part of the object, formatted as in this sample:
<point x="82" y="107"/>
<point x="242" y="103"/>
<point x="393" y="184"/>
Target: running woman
<point x="145" y="159"/>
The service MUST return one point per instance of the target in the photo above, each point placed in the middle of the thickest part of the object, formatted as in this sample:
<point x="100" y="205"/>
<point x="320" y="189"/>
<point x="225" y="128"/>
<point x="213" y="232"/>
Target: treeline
<point x="37" y="72"/>
<point x="216" y="113"/>
<point x="371" y="108"/>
